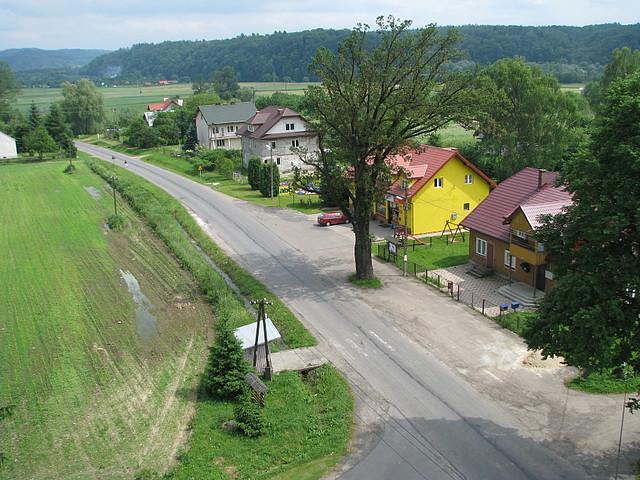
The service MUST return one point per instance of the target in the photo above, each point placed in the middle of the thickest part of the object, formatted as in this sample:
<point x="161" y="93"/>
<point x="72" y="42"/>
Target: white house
<point x="272" y="133"/>
<point x="7" y="146"/>
<point x="218" y="125"/>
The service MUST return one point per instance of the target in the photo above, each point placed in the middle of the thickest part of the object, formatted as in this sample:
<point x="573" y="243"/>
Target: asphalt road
<point x="432" y="424"/>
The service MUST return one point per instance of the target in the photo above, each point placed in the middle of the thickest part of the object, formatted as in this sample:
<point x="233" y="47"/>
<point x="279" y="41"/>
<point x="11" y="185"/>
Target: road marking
<point x="377" y="337"/>
<point x="492" y="375"/>
<point x="357" y="348"/>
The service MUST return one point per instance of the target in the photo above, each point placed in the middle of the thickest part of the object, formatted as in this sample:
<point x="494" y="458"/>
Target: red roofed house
<point x="442" y="185"/>
<point x="271" y="134"/>
<point x="502" y="227"/>
<point x="167" y="105"/>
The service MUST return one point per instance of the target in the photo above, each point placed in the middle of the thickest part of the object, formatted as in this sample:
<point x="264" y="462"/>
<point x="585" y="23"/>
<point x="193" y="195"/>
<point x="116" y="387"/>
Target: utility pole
<point x="262" y="318"/>
<point x="113" y="188"/>
<point x="405" y="186"/>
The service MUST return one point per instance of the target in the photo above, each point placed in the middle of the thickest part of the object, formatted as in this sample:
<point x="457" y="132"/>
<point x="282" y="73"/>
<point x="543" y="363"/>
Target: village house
<point x="272" y="133"/>
<point x="441" y="186"/>
<point x="7" y="146"/>
<point x="218" y="125"/>
<point x="167" y="105"/>
<point x="501" y="228"/>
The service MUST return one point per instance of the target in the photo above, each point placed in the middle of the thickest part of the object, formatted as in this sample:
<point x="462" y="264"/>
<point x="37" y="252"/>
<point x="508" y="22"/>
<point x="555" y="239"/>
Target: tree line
<point x="575" y="53"/>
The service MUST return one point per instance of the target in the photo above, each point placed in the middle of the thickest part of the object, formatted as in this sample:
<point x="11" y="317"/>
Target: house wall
<point x="431" y="207"/>
<point x="203" y="130"/>
<point x="282" y="151"/>
<point x="280" y="127"/>
<point x="7" y="147"/>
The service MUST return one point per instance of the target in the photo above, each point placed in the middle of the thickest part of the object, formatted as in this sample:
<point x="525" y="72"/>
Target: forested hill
<point x="24" y="59"/>
<point x="285" y="56"/>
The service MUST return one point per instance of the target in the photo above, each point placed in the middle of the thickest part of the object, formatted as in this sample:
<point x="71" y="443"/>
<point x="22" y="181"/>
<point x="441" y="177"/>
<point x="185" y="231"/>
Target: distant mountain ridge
<point x="285" y="56"/>
<point x="26" y="59"/>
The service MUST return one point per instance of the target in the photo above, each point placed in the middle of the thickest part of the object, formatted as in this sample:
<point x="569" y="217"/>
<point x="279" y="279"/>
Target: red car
<point x="332" y="218"/>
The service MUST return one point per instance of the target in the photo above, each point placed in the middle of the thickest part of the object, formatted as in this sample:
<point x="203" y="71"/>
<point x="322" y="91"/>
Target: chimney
<point x="541" y="172"/>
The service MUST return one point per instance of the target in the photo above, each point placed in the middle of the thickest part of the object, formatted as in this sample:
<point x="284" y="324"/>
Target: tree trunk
<point x="362" y="250"/>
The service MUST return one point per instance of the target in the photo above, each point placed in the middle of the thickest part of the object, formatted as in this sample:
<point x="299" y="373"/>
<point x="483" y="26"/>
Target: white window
<point x="481" y="247"/>
<point x="219" y="143"/>
<point x="229" y="128"/>
<point x="509" y="260"/>
<point x="290" y="126"/>
<point x="273" y="144"/>
<point x="294" y="143"/>
<point x="468" y="179"/>
<point x="437" y="182"/>
<point x="465" y="206"/>
<point x="520" y="234"/>
<point x="217" y="130"/>
<point x="277" y="160"/>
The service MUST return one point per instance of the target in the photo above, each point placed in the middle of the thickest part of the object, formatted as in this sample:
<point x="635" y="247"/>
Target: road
<point x="431" y="423"/>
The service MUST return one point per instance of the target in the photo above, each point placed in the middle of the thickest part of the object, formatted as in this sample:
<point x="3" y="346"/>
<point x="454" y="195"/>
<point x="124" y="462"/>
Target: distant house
<point x="502" y="227"/>
<point x="271" y="133"/>
<point x="218" y="125"/>
<point x="167" y="105"/>
<point x="7" y="146"/>
<point x="167" y="82"/>
<point x="441" y="186"/>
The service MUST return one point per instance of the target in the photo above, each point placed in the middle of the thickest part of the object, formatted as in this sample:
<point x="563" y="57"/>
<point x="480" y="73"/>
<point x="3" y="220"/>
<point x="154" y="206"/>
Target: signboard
<point x="284" y="187"/>
<point x="392" y="248"/>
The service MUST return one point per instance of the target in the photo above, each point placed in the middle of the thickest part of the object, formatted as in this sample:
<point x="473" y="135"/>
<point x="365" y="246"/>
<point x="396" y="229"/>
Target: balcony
<point x="527" y="242"/>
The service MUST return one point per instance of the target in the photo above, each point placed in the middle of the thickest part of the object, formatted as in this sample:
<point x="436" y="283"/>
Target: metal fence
<point x="440" y="280"/>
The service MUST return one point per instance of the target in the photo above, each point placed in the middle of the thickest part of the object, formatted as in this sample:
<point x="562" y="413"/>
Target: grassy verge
<point x="309" y="422"/>
<point x="308" y="427"/>
<point x="177" y="228"/>
<point x="516" y="321"/>
<point x="94" y="380"/>
<point x="605" y="382"/>
<point x="369" y="283"/>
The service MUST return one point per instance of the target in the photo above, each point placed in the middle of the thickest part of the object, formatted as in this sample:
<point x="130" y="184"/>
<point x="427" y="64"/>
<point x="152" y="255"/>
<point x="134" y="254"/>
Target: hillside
<point x="24" y="59"/>
<point x="285" y="56"/>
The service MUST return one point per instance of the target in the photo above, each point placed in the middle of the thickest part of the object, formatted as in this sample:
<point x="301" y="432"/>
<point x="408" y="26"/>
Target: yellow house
<point x="441" y="186"/>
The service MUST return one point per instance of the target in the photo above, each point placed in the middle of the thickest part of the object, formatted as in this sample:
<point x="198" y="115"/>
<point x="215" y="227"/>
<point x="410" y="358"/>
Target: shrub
<point x="226" y="367"/>
<point x="265" y="179"/>
<point x="115" y="222"/>
<point x="249" y="416"/>
<point x="69" y="168"/>
<point x="253" y="172"/>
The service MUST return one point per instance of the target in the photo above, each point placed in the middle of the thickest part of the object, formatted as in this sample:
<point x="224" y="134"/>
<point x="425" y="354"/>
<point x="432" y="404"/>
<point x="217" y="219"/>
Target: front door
<point x="540" y="277"/>
<point x="490" y="254"/>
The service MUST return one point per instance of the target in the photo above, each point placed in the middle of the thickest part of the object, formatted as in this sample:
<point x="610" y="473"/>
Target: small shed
<point x="7" y="146"/>
<point x="246" y="335"/>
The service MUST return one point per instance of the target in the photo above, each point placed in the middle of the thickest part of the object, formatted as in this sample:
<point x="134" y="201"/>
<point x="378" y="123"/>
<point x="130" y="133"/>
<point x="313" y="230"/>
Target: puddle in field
<point x="145" y="321"/>
<point x="94" y="192"/>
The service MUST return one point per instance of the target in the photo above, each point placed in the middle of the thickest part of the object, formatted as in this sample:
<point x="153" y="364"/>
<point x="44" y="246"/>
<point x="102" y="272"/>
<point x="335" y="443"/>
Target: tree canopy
<point x="372" y="103"/>
<point x="82" y="106"/>
<point x="523" y="119"/>
<point x="9" y="88"/>
<point x="592" y="315"/>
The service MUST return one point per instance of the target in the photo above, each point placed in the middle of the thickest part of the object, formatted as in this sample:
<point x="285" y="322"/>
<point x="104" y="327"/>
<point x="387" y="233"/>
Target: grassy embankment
<point x="309" y="421"/>
<point x="101" y="386"/>
<point x="162" y="157"/>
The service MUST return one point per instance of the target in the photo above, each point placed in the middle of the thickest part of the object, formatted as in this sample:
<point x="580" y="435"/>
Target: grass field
<point x="102" y="385"/>
<point x="136" y="98"/>
<point x="436" y="254"/>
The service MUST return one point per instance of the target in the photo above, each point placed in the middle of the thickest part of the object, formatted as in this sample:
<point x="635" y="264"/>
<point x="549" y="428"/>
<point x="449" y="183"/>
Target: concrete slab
<point x="297" y="359"/>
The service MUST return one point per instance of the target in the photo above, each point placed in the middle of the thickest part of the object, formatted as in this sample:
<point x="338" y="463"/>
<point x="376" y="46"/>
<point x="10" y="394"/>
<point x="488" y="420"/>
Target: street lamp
<point x="405" y="187"/>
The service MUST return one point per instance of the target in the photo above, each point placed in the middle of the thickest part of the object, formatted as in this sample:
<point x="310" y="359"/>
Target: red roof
<point x="423" y="163"/>
<point x="266" y="118"/>
<point x="159" y="107"/>
<point x="527" y="188"/>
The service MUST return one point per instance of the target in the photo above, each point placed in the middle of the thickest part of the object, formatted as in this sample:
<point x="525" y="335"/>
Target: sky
<point x="111" y="24"/>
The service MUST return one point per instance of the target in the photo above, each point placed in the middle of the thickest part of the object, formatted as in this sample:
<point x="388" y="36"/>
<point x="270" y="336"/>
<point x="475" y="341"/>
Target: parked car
<point x="332" y="218"/>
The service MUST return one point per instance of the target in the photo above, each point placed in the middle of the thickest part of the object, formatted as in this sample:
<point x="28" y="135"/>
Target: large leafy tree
<point x="523" y="119"/>
<point x="592" y="316"/>
<point x="373" y="101"/>
<point x="225" y="82"/>
<point x="57" y="126"/>
<point x="9" y="88"/>
<point x="39" y="141"/>
<point x="83" y="106"/>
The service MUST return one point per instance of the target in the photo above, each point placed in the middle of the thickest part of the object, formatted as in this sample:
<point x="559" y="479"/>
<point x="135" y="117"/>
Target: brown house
<point x="502" y="226"/>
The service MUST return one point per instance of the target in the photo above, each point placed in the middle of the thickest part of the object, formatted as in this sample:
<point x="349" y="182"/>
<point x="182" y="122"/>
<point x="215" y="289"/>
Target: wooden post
<point x="483" y="306"/>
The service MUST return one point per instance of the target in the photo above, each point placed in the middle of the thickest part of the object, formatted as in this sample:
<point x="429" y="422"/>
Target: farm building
<point x="7" y="146"/>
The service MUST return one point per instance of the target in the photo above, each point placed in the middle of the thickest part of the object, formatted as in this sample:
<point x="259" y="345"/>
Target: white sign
<point x="392" y="248"/>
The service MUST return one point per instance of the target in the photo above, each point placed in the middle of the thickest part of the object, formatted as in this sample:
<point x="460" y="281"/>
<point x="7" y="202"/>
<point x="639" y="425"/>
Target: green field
<point x="101" y="385"/>
<point x="136" y="98"/>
